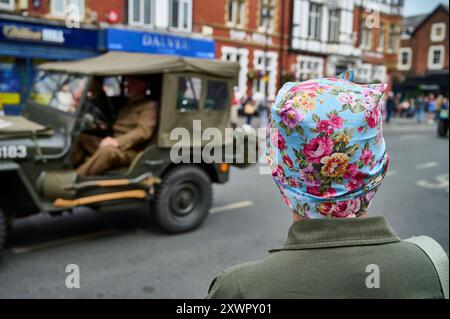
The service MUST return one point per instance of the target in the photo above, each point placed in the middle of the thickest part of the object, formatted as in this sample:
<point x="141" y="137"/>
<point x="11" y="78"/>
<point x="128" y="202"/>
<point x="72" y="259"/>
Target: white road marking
<point x="442" y="183"/>
<point x="232" y="206"/>
<point x="427" y="165"/>
<point x="61" y="242"/>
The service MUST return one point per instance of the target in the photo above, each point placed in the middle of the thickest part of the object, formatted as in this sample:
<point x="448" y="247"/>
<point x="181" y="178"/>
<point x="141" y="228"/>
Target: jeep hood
<point x="19" y="126"/>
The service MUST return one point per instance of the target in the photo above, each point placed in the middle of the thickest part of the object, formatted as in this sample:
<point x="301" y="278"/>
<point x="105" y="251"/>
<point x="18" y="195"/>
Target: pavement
<point x="122" y="254"/>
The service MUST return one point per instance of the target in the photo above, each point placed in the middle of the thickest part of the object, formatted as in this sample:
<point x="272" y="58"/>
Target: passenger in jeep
<point x="135" y="124"/>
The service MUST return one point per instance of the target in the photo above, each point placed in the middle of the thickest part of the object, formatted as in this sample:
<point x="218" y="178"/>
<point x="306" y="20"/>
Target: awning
<point x="429" y="82"/>
<point x="124" y="63"/>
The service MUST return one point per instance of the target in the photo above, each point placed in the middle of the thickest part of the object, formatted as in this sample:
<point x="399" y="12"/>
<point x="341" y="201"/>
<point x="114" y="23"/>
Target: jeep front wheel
<point x="183" y="199"/>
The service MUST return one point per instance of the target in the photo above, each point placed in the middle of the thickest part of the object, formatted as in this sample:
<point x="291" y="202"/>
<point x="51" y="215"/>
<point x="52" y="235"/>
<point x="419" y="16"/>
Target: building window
<point x="334" y="26"/>
<point x="265" y="63"/>
<point x="438" y="32"/>
<point x="404" y="59"/>
<point x="436" y="55"/>
<point x="240" y="56"/>
<point x="381" y="37"/>
<point x="60" y="8"/>
<point x="314" y="21"/>
<point x="309" y="68"/>
<point x="267" y="15"/>
<point x="366" y="37"/>
<point x="236" y="13"/>
<point x="141" y="12"/>
<point x="181" y="14"/>
<point x="393" y="38"/>
<point x="7" y="4"/>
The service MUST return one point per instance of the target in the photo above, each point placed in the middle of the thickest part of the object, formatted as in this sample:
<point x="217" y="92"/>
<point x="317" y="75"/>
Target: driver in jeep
<point x="135" y="124"/>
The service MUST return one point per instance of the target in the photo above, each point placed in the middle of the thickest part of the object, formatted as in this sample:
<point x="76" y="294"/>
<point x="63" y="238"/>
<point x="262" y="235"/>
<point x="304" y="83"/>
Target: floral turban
<point x="325" y="146"/>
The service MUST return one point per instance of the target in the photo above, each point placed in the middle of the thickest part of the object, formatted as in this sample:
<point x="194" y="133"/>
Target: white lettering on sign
<point x="50" y="35"/>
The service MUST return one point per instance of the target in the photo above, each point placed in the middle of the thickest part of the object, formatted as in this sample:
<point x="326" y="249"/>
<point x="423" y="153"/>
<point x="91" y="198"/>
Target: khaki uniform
<point x="136" y="123"/>
<point x="330" y="259"/>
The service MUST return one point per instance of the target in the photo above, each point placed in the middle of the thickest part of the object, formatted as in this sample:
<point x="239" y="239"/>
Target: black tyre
<point x="3" y="230"/>
<point x="183" y="199"/>
<point x="442" y="128"/>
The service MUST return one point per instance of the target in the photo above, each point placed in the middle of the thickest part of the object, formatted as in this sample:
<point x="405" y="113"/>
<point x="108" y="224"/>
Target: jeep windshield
<point x="58" y="90"/>
<point x="55" y="98"/>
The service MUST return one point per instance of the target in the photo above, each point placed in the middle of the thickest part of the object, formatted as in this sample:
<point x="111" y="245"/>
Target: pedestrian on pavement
<point x="390" y="107"/>
<point x="235" y="110"/>
<point x="328" y="160"/>
<point x="248" y="105"/>
<point x="420" y="109"/>
<point x="263" y="110"/>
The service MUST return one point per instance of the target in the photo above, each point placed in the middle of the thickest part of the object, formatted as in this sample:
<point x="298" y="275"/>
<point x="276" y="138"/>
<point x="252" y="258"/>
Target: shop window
<point x="236" y="13"/>
<point x="314" y="24"/>
<point x="267" y="15"/>
<point x="60" y="8"/>
<point x="217" y="98"/>
<point x="189" y="93"/>
<point x="181" y="14"/>
<point x="141" y="12"/>
<point x="334" y="26"/>
<point x="7" y="4"/>
<point x="309" y="68"/>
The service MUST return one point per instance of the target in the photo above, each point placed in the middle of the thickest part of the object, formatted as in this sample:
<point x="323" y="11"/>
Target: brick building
<point x="377" y="30"/>
<point x="423" y="58"/>
<point x="252" y="33"/>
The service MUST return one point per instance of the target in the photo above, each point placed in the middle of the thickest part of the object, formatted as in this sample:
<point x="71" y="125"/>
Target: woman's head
<point x="326" y="147"/>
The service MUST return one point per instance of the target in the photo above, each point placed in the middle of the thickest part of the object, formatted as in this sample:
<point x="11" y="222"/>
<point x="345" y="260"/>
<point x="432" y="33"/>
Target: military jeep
<point x="36" y="175"/>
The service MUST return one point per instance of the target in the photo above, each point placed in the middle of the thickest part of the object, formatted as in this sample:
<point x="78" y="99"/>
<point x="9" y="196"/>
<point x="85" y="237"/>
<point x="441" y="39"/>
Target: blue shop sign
<point x="42" y="34"/>
<point x="146" y="42"/>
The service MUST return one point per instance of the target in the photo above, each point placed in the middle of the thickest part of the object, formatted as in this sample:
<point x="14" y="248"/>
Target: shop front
<point x="155" y="43"/>
<point x="24" y="45"/>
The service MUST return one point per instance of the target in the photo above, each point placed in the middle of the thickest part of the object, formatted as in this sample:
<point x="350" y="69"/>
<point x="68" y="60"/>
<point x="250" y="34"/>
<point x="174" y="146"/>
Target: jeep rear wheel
<point x="183" y="199"/>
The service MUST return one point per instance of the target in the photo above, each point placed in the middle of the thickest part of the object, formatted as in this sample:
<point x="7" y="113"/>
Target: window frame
<point x="431" y="50"/>
<point x="181" y="15"/>
<point x="141" y="22"/>
<point x="271" y="6"/>
<point x="8" y="6"/>
<point x="317" y="21"/>
<point x="65" y="3"/>
<point x="393" y="36"/>
<point x="334" y="21"/>
<point x="237" y="11"/>
<point x="241" y="56"/>
<point x="381" y="37"/>
<point x="400" y="65"/>
<point x="319" y="67"/>
<point x="434" y="27"/>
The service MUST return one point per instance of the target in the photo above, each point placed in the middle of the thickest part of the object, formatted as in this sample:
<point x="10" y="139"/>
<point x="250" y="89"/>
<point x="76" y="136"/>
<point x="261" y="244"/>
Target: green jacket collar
<point x="328" y="233"/>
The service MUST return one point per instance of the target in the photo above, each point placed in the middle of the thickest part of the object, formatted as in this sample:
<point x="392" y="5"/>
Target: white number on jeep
<point x="13" y="151"/>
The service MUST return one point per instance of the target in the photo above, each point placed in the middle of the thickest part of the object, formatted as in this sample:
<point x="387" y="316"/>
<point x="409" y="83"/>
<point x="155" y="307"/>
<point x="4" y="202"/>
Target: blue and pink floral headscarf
<point x="325" y="146"/>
